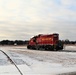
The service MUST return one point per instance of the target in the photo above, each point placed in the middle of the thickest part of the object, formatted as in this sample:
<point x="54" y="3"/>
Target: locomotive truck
<point x="45" y="42"/>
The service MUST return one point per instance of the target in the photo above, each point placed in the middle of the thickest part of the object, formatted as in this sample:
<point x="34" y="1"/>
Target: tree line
<point x="21" y="42"/>
<point x="16" y="42"/>
<point x="68" y="42"/>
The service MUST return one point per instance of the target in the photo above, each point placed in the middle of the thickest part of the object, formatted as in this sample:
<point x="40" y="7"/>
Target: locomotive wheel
<point x="28" y="47"/>
<point x="37" y="48"/>
<point x="49" y="47"/>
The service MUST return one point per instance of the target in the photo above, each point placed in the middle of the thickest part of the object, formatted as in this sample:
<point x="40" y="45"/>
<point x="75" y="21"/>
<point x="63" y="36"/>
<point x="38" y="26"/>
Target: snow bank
<point x="70" y="48"/>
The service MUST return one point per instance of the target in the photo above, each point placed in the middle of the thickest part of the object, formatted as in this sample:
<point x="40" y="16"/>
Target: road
<point x="42" y="62"/>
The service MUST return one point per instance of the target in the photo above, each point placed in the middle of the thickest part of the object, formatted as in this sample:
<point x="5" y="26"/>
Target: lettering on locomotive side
<point x="46" y="39"/>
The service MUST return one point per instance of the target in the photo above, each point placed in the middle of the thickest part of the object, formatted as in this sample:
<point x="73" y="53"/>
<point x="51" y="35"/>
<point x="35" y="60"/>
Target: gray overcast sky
<point x="22" y="19"/>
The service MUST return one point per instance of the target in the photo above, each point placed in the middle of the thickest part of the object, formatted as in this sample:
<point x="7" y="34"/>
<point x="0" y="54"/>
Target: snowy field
<point x="35" y="62"/>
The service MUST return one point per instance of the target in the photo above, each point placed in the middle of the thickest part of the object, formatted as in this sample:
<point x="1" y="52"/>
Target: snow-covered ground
<point x="34" y="62"/>
<point x="6" y="67"/>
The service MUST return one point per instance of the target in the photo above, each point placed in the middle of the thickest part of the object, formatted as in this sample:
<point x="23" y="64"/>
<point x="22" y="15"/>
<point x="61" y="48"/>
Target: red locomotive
<point x="45" y="42"/>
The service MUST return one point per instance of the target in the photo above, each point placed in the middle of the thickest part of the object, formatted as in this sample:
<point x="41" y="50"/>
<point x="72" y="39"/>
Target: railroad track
<point x="12" y="62"/>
